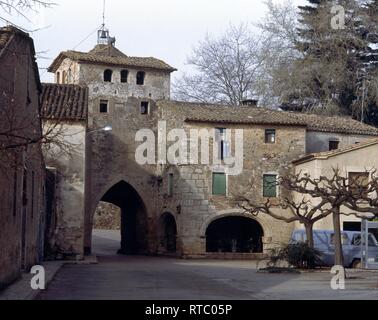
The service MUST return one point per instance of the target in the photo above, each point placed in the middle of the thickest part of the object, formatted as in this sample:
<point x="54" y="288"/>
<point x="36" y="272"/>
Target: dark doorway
<point x="169" y="235"/>
<point x="234" y="234"/>
<point x="133" y="218"/>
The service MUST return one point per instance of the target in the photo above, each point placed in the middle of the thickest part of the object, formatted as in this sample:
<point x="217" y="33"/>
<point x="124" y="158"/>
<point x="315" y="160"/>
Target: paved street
<point x="134" y="278"/>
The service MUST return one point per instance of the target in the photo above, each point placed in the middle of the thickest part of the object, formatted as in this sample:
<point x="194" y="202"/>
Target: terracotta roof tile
<point x="64" y="102"/>
<point x="198" y="112"/>
<point x="109" y="55"/>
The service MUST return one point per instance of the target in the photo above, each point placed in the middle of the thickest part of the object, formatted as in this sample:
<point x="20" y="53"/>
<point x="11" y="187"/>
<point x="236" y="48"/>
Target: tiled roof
<point x="7" y="34"/>
<point x="198" y="112"/>
<point x="329" y="154"/>
<point x="64" y="102"/>
<point x="109" y="55"/>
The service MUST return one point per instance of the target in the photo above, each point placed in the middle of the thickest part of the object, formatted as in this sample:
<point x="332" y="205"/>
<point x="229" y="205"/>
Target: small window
<point x="270" y="186"/>
<point x="124" y="76"/>
<point x="58" y="77"/>
<point x="219" y="184"/>
<point x="140" y="78"/>
<point x="223" y="145"/>
<point x="170" y="185"/>
<point x="358" y="181"/>
<point x="334" y="145"/>
<point x="64" y="77"/>
<point x="108" y="74"/>
<point x="104" y="106"/>
<point x="270" y="136"/>
<point x="144" y="106"/>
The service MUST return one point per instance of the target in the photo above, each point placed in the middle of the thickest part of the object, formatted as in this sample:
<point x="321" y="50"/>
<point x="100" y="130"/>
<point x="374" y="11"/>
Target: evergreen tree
<point x="366" y="106"/>
<point x="329" y="64"/>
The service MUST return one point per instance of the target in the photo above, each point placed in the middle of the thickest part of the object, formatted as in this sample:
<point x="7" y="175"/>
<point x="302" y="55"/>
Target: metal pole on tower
<point x="103" y="14"/>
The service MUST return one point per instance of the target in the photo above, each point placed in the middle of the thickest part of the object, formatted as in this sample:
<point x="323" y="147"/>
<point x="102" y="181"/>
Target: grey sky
<point x="165" y="29"/>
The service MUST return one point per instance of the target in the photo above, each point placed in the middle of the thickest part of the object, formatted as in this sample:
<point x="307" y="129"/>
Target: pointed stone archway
<point x="134" y="230"/>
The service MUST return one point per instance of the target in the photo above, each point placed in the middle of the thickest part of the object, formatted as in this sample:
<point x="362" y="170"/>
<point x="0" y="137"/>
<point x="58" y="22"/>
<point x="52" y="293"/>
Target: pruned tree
<point x="313" y="199"/>
<point x="363" y="194"/>
<point x="302" y="211"/>
<point x="226" y="69"/>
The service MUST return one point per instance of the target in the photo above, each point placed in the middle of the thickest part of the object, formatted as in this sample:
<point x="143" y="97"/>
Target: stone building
<point x="64" y="111"/>
<point x="179" y="207"/>
<point x="22" y="172"/>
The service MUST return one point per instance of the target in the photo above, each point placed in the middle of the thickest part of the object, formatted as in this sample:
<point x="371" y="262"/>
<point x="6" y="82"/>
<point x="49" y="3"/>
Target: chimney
<point x="250" y="102"/>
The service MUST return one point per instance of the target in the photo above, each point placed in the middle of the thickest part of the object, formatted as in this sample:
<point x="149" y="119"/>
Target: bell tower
<point x="104" y="38"/>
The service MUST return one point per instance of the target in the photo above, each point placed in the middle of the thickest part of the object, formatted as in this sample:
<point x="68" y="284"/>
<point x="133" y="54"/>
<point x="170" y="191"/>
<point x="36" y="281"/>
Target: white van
<point x="351" y="240"/>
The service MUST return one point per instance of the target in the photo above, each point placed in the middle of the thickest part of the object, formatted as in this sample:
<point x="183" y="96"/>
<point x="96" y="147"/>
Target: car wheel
<point x="356" y="264"/>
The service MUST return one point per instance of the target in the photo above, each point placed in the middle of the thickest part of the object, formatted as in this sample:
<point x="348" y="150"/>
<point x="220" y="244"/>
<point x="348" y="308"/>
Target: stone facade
<point x="22" y="175"/>
<point x="170" y="208"/>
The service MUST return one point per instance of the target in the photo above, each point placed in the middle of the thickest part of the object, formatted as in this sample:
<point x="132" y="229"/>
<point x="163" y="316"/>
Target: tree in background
<point x="21" y="7"/>
<point x="226" y="69"/>
<point x="366" y="107"/>
<point x="279" y="37"/>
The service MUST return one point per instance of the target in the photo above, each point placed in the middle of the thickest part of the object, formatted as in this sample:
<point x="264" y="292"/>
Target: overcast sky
<point x="165" y="29"/>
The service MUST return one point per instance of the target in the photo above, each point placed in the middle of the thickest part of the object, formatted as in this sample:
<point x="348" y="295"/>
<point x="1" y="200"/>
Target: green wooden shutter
<point x="219" y="184"/>
<point x="270" y="186"/>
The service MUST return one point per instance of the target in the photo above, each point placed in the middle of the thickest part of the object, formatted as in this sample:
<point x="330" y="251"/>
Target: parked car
<point x="351" y="240"/>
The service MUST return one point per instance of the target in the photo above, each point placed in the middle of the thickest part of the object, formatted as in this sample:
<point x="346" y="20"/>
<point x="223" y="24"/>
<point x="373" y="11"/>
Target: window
<point x="69" y="76"/>
<point x="170" y="185"/>
<point x="140" y="78"/>
<point x="334" y="145"/>
<point x="219" y="184"/>
<point x="223" y="144"/>
<point x="64" y="77"/>
<point x="108" y="74"/>
<point x="58" y="77"/>
<point x="358" y="181"/>
<point x="270" y="186"/>
<point x="124" y="76"/>
<point x="270" y="136"/>
<point x="104" y="106"/>
<point x="144" y="106"/>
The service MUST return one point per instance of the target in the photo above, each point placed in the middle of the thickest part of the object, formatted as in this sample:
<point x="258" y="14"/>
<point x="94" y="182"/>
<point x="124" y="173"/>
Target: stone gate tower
<point x="122" y="91"/>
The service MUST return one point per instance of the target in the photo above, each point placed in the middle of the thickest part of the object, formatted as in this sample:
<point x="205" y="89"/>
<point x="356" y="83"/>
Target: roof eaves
<point x="329" y="154"/>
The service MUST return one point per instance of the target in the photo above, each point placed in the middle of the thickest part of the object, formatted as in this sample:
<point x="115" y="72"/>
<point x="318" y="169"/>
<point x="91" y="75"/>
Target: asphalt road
<point x="147" y="278"/>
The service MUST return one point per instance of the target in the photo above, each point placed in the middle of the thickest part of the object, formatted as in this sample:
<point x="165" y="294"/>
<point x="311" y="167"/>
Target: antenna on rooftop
<point x="103" y="36"/>
<point x="103" y="13"/>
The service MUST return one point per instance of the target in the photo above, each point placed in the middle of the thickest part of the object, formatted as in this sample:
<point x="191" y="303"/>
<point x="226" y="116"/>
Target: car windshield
<point x="372" y="240"/>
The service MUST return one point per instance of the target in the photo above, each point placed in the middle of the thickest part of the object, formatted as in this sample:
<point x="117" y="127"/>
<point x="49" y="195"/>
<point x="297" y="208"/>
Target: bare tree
<point x="227" y="69"/>
<point x="22" y="7"/>
<point x="302" y="211"/>
<point x="279" y="30"/>
<point x="363" y="194"/>
<point x="318" y="199"/>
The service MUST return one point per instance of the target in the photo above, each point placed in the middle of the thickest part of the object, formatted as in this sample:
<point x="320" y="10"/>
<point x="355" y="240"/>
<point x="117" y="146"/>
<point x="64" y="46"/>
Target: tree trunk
<point x="310" y="235"/>
<point x="339" y="257"/>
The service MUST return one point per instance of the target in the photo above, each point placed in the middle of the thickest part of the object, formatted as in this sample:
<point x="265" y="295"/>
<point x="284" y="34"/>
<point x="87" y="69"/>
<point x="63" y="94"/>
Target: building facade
<point x="22" y="175"/>
<point x="171" y="204"/>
